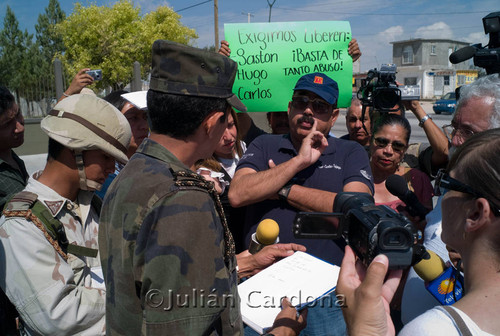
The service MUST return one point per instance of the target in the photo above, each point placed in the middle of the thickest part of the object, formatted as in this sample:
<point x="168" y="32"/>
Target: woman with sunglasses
<point x="471" y="225"/>
<point x="220" y="169"/>
<point x="390" y="137"/>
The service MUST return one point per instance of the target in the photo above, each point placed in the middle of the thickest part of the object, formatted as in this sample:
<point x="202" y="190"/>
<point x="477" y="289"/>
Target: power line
<point x="378" y="14"/>
<point x="453" y="28"/>
<point x="195" y="5"/>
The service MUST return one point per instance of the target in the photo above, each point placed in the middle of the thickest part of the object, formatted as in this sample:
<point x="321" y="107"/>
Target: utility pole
<point x="216" y="23"/>
<point x="270" y="8"/>
<point x="248" y="14"/>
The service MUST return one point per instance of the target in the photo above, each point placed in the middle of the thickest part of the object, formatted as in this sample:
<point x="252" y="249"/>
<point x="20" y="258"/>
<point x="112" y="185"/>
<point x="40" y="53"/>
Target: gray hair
<point x="354" y="102"/>
<point x="488" y="86"/>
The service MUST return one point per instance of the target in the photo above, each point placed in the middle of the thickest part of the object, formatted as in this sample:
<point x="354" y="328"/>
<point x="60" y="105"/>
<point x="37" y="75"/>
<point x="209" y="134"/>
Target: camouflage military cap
<point x="85" y="122"/>
<point x="184" y="70"/>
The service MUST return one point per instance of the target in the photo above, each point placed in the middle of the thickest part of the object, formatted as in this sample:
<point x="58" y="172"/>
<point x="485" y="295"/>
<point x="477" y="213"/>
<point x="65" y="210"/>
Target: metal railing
<point x="36" y="101"/>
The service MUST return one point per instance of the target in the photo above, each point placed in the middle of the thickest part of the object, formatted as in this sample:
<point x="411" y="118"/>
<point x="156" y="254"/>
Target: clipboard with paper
<point x="301" y="277"/>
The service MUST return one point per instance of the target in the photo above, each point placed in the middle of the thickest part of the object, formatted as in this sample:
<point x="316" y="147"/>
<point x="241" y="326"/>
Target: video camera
<point x="487" y="57"/>
<point x="369" y="229"/>
<point x="381" y="91"/>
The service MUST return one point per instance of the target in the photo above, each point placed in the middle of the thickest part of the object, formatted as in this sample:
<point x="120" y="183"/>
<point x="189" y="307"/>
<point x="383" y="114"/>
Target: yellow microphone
<point x="443" y="282"/>
<point x="266" y="234"/>
<point x="429" y="269"/>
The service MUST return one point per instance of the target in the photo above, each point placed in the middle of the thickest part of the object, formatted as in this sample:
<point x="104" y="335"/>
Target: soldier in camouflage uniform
<point x="166" y="250"/>
<point x="49" y="230"/>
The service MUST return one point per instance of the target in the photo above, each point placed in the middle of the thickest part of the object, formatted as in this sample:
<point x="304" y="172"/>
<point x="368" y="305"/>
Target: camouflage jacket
<point x="162" y="249"/>
<point x="53" y="295"/>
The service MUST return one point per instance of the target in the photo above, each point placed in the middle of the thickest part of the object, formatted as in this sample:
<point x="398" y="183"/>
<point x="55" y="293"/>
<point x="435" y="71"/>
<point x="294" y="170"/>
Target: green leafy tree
<point x="19" y="58"/>
<point x="24" y="67"/>
<point x="113" y="38"/>
<point x="48" y="38"/>
<point x="32" y="87"/>
<point x="49" y="41"/>
<point x="12" y="41"/>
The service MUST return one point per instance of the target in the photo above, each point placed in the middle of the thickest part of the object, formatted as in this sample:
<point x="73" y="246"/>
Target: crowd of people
<point x="151" y="198"/>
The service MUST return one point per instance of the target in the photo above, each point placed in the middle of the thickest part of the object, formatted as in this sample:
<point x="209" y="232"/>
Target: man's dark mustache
<point x="307" y="118"/>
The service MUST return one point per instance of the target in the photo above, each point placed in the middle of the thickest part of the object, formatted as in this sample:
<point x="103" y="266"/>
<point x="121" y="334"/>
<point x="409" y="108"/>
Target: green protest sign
<point x="271" y="58"/>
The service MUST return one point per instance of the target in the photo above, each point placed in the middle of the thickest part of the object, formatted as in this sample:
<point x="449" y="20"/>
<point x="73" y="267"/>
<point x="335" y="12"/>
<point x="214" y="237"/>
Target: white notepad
<point x="301" y="277"/>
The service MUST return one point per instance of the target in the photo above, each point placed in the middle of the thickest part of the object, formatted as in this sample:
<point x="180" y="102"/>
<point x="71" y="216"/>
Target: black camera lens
<point x="386" y="98"/>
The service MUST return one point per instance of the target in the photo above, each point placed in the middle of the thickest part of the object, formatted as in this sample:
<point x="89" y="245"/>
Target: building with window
<point x="425" y="62"/>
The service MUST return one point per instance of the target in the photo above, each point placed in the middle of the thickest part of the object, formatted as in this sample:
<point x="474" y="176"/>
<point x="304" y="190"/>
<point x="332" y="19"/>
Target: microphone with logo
<point x="444" y="283"/>
<point x="266" y="234"/>
<point x="397" y="186"/>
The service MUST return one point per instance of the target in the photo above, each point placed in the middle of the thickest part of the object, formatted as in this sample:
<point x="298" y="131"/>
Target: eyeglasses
<point x="450" y="131"/>
<point x="319" y="106"/>
<point x="443" y="180"/>
<point x="383" y="142"/>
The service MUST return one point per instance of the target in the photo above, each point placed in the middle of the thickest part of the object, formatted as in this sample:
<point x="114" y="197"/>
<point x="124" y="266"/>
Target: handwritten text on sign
<point x="271" y="58"/>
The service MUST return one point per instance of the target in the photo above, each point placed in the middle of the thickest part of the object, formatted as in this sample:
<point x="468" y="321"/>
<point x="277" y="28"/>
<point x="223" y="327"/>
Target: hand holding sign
<point x="353" y="50"/>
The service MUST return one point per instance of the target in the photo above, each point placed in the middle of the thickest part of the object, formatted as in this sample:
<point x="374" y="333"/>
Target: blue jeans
<point x="323" y="318"/>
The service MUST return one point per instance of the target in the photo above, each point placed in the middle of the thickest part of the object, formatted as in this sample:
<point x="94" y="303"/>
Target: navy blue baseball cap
<point x="320" y="84"/>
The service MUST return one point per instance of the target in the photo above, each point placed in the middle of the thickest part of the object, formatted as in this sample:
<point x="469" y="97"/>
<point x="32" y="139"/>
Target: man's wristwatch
<point x="283" y="192"/>
<point x="423" y="120"/>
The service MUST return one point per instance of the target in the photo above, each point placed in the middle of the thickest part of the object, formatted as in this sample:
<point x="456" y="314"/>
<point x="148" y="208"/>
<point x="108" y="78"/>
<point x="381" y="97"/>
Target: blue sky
<point x="374" y="23"/>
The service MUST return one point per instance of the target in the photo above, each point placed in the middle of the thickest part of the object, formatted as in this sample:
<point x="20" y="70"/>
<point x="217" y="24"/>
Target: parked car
<point x="446" y="104"/>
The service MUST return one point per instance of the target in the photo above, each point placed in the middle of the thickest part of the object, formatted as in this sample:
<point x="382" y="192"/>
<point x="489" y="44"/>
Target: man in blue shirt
<point x="303" y="170"/>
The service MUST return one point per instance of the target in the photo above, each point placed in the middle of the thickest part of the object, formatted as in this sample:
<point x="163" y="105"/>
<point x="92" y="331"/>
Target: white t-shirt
<point x="438" y="322"/>
<point x="229" y="165"/>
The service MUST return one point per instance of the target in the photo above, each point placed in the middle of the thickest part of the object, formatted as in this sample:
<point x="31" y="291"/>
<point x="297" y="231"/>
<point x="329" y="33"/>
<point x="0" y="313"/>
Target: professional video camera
<point x="369" y="229"/>
<point x="381" y="91"/>
<point x="487" y="57"/>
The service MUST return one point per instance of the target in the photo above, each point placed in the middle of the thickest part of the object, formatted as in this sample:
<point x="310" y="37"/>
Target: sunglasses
<point x="383" y="142"/>
<point x="319" y="106"/>
<point x="444" y="181"/>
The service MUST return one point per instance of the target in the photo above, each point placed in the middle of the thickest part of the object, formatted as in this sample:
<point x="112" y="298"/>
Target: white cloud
<point x="437" y="30"/>
<point x="477" y="38"/>
<point x="377" y="49"/>
<point x="389" y="35"/>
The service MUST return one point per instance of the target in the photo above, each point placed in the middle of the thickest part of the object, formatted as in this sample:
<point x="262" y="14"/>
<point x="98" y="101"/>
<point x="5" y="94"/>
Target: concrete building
<point x="425" y="62"/>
